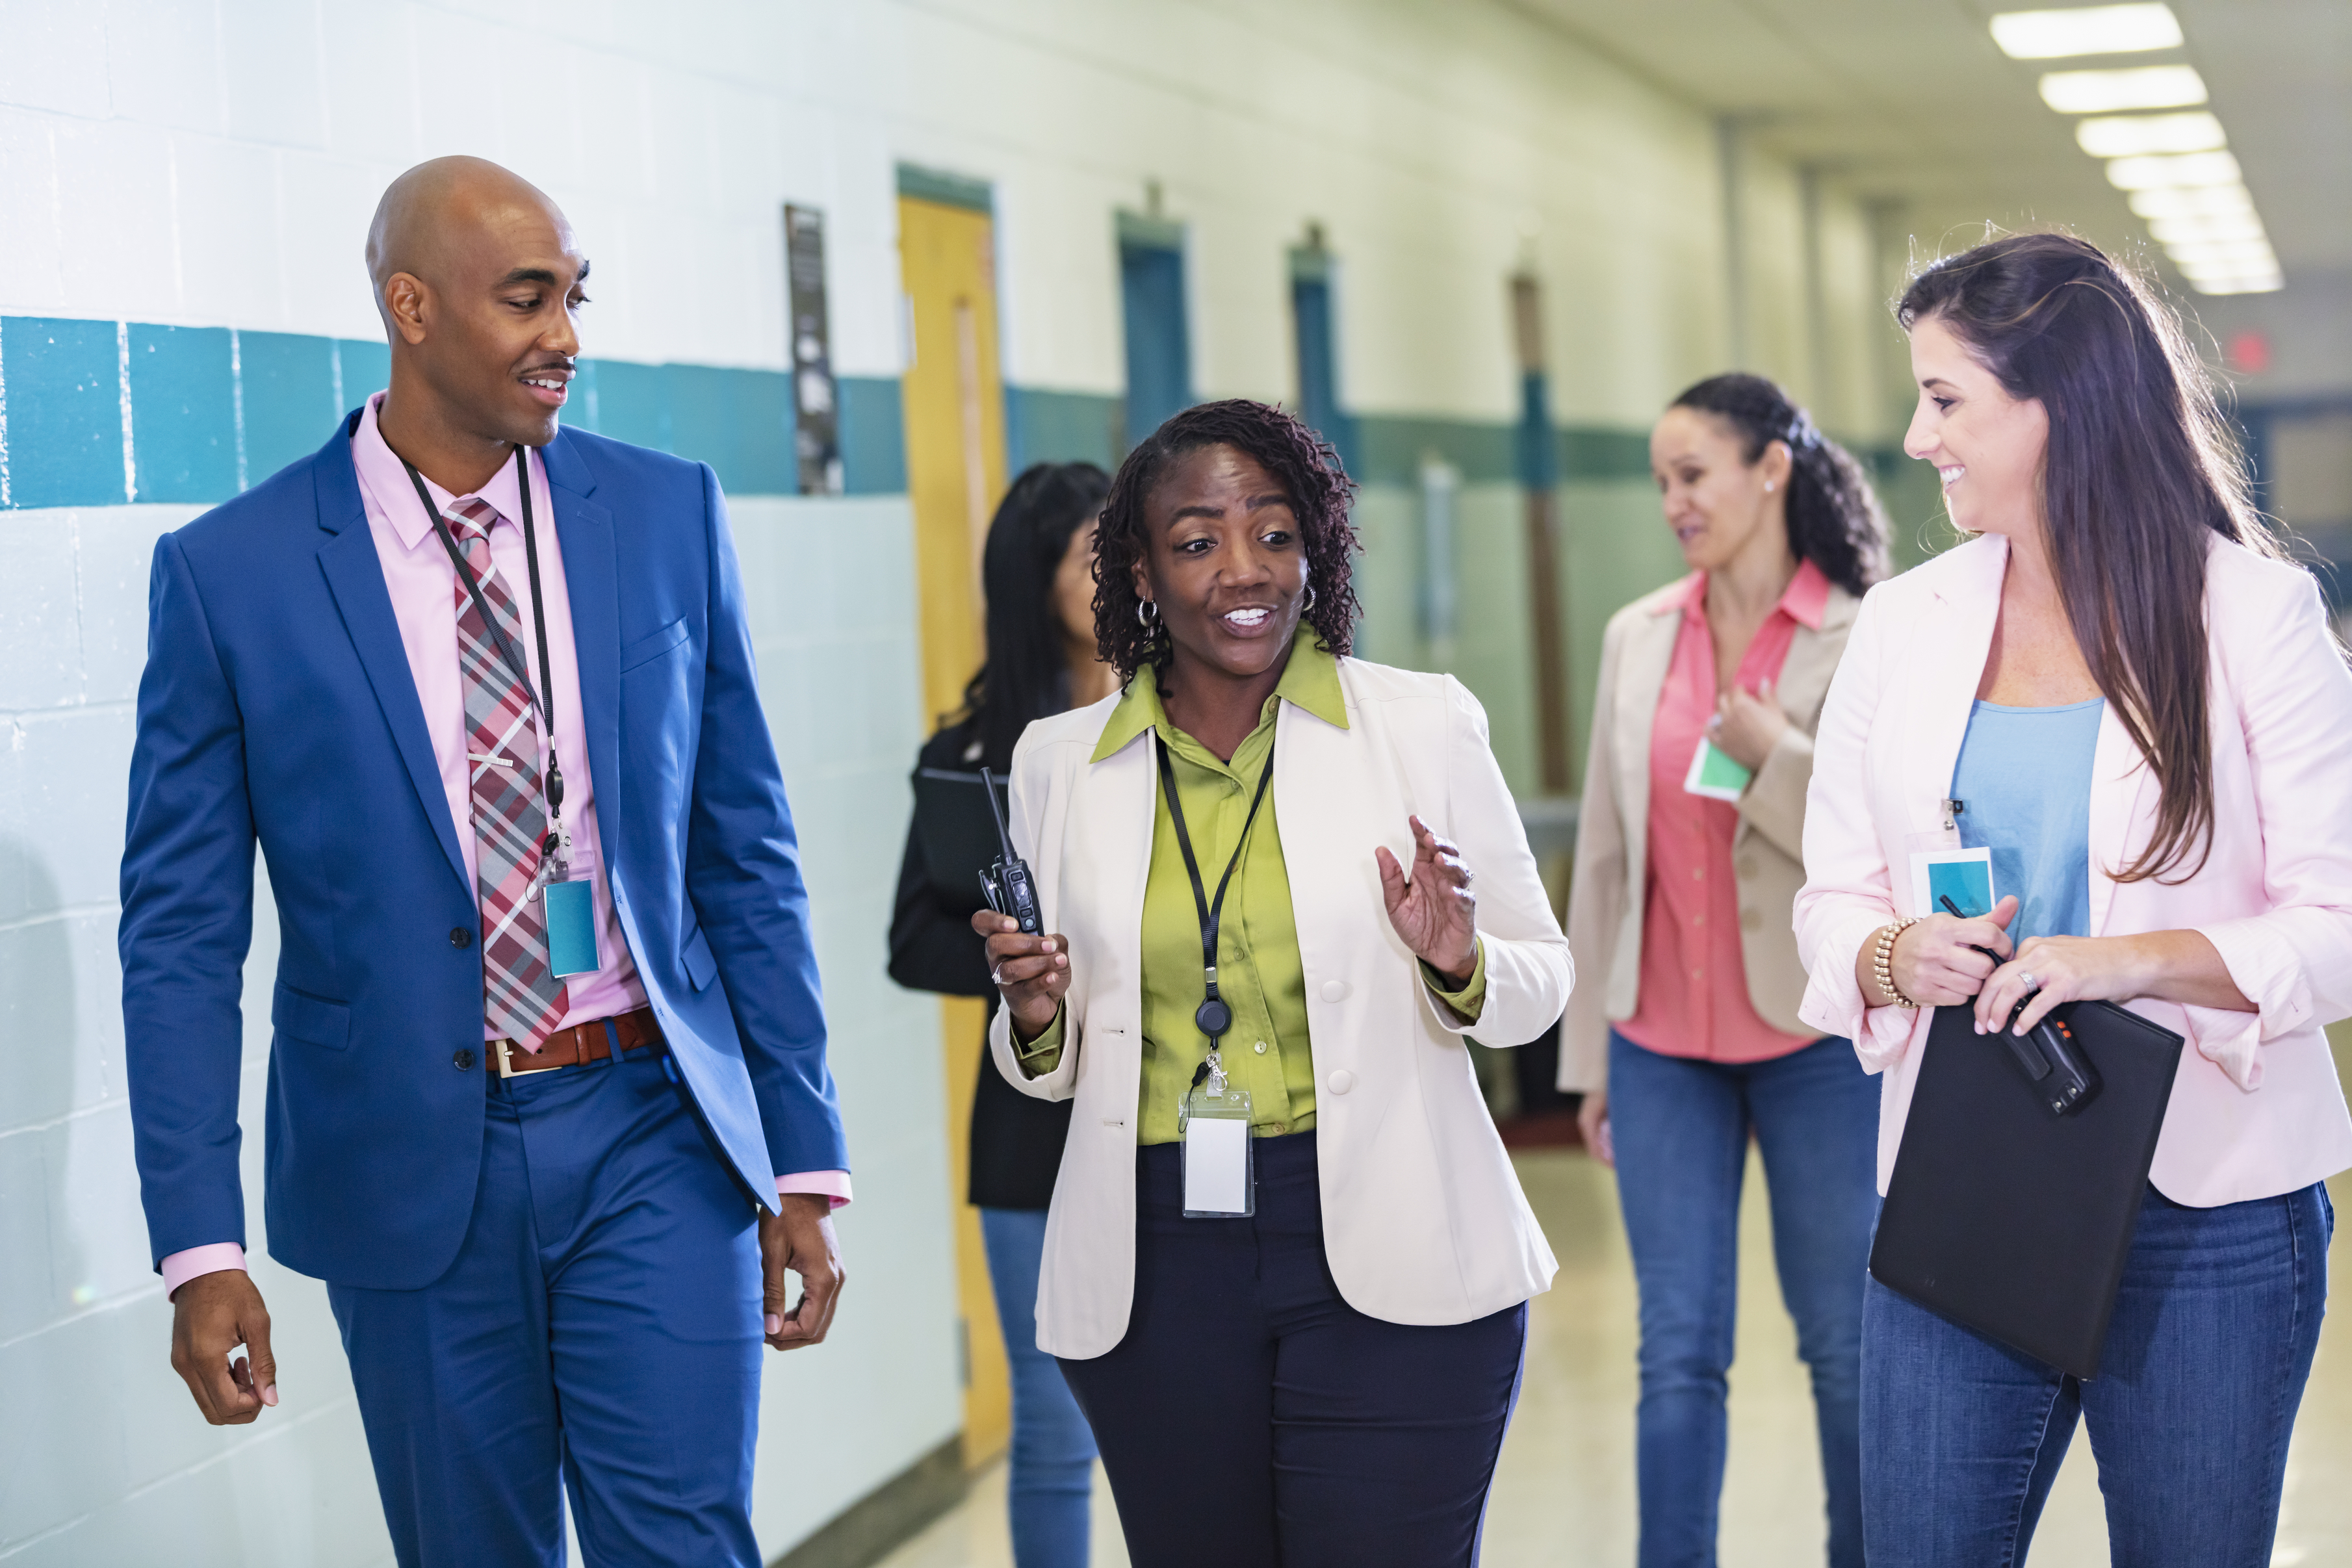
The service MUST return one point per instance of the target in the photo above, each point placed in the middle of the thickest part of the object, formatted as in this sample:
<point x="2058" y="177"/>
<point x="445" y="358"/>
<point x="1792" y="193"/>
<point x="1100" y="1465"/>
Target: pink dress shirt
<point x="1694" y="999"/>
<point x="424" y="589"/>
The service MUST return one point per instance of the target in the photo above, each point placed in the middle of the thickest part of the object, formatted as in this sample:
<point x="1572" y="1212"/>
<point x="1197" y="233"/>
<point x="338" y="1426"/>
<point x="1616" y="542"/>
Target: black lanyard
<point x="1213" y="1016"/>
<point x="545" y="703"/>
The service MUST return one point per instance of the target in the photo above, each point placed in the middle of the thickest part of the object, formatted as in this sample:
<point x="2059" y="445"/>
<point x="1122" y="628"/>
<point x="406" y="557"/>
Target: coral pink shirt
<point x="1694" y="996"/>
<point x="423" y="590"/>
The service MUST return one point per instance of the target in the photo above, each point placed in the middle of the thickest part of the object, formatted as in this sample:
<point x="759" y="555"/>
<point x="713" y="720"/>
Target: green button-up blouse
<point x="1259" y="973"/>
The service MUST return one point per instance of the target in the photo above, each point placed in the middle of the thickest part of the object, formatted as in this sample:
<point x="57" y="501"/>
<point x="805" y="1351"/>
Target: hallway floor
<point x="1564" y="1493"/>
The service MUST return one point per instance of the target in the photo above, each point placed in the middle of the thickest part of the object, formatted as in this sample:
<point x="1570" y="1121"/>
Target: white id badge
<point x="1712" y="774"/>
<point x="1219" y="1180"/>
<point x="1964" y="876"/>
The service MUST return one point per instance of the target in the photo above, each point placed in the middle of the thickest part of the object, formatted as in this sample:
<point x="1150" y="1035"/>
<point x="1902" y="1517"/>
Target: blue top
<point x="2024" y="775"/>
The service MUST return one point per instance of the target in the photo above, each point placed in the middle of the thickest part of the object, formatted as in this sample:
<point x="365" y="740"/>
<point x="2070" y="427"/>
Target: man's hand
<point x="212" y="1314"/>
<point x="800" y="1241"/>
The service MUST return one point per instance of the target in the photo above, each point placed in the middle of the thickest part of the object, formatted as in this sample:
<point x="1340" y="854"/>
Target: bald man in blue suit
<point x="555" y="1208"/>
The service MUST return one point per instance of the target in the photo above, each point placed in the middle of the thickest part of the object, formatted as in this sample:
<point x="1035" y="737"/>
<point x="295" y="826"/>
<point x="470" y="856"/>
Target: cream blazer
<point x="2256" y="1110"/>
<point x="1607" y="901"/>
<point x="1423" y="1221"/>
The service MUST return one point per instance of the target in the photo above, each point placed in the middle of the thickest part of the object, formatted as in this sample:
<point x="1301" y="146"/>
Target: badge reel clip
<point x="1007" y="884"/>
<point x="1213" y="1128"/>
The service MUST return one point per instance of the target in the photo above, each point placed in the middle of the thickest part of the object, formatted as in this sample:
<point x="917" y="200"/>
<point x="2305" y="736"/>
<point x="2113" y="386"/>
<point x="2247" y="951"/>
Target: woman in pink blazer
<point x="2148" y="720"/>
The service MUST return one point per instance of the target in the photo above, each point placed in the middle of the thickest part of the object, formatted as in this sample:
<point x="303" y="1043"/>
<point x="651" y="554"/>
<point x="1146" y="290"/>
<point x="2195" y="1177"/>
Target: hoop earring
<point x="1310" y="600"/>
<point x="1147" y="611"/>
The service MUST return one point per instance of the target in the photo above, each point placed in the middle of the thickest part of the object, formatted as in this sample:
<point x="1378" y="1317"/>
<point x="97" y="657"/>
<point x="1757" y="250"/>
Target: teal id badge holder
<point x="1213" y="1128"/>
<point x="571" y="911"/>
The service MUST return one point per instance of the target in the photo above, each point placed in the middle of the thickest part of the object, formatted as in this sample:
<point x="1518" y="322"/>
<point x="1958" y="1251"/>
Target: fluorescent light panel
<point x="2241" y="253"/>
<point x="2086" y="30"/>
<point x="2212" y="201"/>
<point x="2181" y="169"/>
<point x="2211" y="226"/>
<point x="2270" y="283"/>
<point x="2107" y="92"/>
<point x="2131" y="135"/>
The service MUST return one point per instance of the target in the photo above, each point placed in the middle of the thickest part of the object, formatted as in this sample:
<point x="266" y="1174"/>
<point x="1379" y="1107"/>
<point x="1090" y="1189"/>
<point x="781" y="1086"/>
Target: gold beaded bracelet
<point x="1882" y="960"/>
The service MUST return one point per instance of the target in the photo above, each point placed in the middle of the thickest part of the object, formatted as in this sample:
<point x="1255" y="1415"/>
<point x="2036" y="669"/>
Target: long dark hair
<point x="2140" y="473"/>
<point x="1320" y="493"/>
<point x="1027" y="675"/>
<point x="1834" y="517"/>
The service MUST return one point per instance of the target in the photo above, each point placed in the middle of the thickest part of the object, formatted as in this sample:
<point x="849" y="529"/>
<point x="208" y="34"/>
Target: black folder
<point x="958" y="834"/>
<point x="2009" y="1219"/>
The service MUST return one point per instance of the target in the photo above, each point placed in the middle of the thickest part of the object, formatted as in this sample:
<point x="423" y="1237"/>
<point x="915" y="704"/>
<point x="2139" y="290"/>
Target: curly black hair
<point x="1834" y="517"/>
<point x="1320" y="495"/>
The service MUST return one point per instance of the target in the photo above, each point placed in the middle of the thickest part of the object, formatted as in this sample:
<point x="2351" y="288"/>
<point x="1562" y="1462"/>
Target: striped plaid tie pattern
<point x="521" y="1000"/>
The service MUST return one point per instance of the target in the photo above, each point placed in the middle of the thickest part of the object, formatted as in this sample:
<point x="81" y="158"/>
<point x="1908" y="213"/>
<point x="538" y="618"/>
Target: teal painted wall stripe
<point x="873" y="436"/>
<point x="1042" y="426"/>
<point x="97" y="413"/>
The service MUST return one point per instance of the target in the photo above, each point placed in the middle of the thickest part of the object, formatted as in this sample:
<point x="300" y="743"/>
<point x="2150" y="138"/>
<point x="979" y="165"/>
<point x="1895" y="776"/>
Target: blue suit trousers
<point x="602" y="1322"/>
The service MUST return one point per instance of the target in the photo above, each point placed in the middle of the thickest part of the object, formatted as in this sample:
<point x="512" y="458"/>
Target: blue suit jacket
<point x="278" y="706"/>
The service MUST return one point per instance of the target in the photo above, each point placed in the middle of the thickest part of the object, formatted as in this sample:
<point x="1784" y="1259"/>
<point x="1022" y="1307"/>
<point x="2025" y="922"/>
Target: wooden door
<point x="954" y="409"/>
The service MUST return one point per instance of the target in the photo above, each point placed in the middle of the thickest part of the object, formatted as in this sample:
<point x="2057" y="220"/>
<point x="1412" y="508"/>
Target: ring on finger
<point x="2025" y="977"/>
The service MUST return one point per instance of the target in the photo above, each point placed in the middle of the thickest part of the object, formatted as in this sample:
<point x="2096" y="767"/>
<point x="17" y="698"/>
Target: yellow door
<point x="954" y="409"/>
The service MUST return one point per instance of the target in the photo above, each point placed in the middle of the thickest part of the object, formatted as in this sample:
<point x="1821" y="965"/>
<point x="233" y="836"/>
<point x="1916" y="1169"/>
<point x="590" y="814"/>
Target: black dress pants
<point x="1251" y="1418"/>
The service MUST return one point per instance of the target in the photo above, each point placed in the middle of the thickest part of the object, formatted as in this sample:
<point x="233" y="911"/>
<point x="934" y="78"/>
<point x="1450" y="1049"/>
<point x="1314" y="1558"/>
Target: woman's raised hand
<point x="1936" y="961"/>
<point x="1032" y="972"/>
<point x="1434" y="910"/>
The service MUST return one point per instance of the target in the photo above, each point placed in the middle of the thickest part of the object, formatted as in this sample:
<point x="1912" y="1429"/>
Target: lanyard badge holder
<point x="1212" y="1121"/>
<point x="570" y="905"/>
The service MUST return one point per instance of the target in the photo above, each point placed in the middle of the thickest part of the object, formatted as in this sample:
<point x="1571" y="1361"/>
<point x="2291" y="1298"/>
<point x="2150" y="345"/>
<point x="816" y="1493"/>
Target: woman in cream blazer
<point x="1327" y="1380"/>
<point x="2197" y="872"/>
<point x="1691" y="1043"/>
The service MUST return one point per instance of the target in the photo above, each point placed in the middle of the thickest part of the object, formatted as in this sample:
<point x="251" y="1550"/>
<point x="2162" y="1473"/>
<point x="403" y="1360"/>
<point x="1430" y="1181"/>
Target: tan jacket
<point x="1612" y="838"/>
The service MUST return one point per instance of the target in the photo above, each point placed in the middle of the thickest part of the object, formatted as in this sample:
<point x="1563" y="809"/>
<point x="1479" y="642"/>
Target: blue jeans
<point x="2205" y="1362"/>
<point x="1681" y="1129"/>
<point x="1052" y="1486"/>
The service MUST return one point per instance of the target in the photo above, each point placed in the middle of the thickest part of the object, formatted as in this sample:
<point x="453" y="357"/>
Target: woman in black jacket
<point x="1038" y="571"/>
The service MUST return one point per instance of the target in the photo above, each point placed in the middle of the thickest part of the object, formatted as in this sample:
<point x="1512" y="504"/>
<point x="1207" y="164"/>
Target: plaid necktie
<point x="521" y="1001"/>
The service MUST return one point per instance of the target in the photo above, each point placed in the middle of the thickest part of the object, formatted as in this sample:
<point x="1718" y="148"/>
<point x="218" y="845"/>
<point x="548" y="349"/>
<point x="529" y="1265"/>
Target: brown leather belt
<point x="581" y="1042"/>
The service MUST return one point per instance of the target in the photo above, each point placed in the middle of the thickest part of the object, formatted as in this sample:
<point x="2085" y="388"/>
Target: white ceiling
<point x="1909" y="102"/>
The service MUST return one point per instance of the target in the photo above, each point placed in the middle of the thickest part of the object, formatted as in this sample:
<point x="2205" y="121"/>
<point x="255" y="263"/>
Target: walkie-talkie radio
<point x="2053" y="1060"/>
<point x="1007" y="884"/>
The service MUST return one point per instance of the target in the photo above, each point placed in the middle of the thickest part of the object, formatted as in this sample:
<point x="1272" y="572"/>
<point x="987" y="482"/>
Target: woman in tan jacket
<point x="1685" y="1038"/>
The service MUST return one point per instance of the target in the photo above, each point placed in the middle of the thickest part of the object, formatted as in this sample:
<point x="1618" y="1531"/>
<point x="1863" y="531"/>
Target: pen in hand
<point x="1954" y="910"/>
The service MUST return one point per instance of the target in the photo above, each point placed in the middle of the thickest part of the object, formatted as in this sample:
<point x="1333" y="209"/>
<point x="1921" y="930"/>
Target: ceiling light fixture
<point x="2212" y="201"/>
<point x="2179" y="169"/>
<point x="2107" y="92"/>
<point x="2251" y="283"/>
<point x="2243" y="254"/>
<point x="2206" y="226"/>
<point x="2086" y="30"/>
<point x="2131" y="135"/>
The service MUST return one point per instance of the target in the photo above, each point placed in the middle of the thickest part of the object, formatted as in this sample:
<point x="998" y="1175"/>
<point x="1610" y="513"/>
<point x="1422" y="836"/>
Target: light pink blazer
<point x="2256" y="1110"/>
